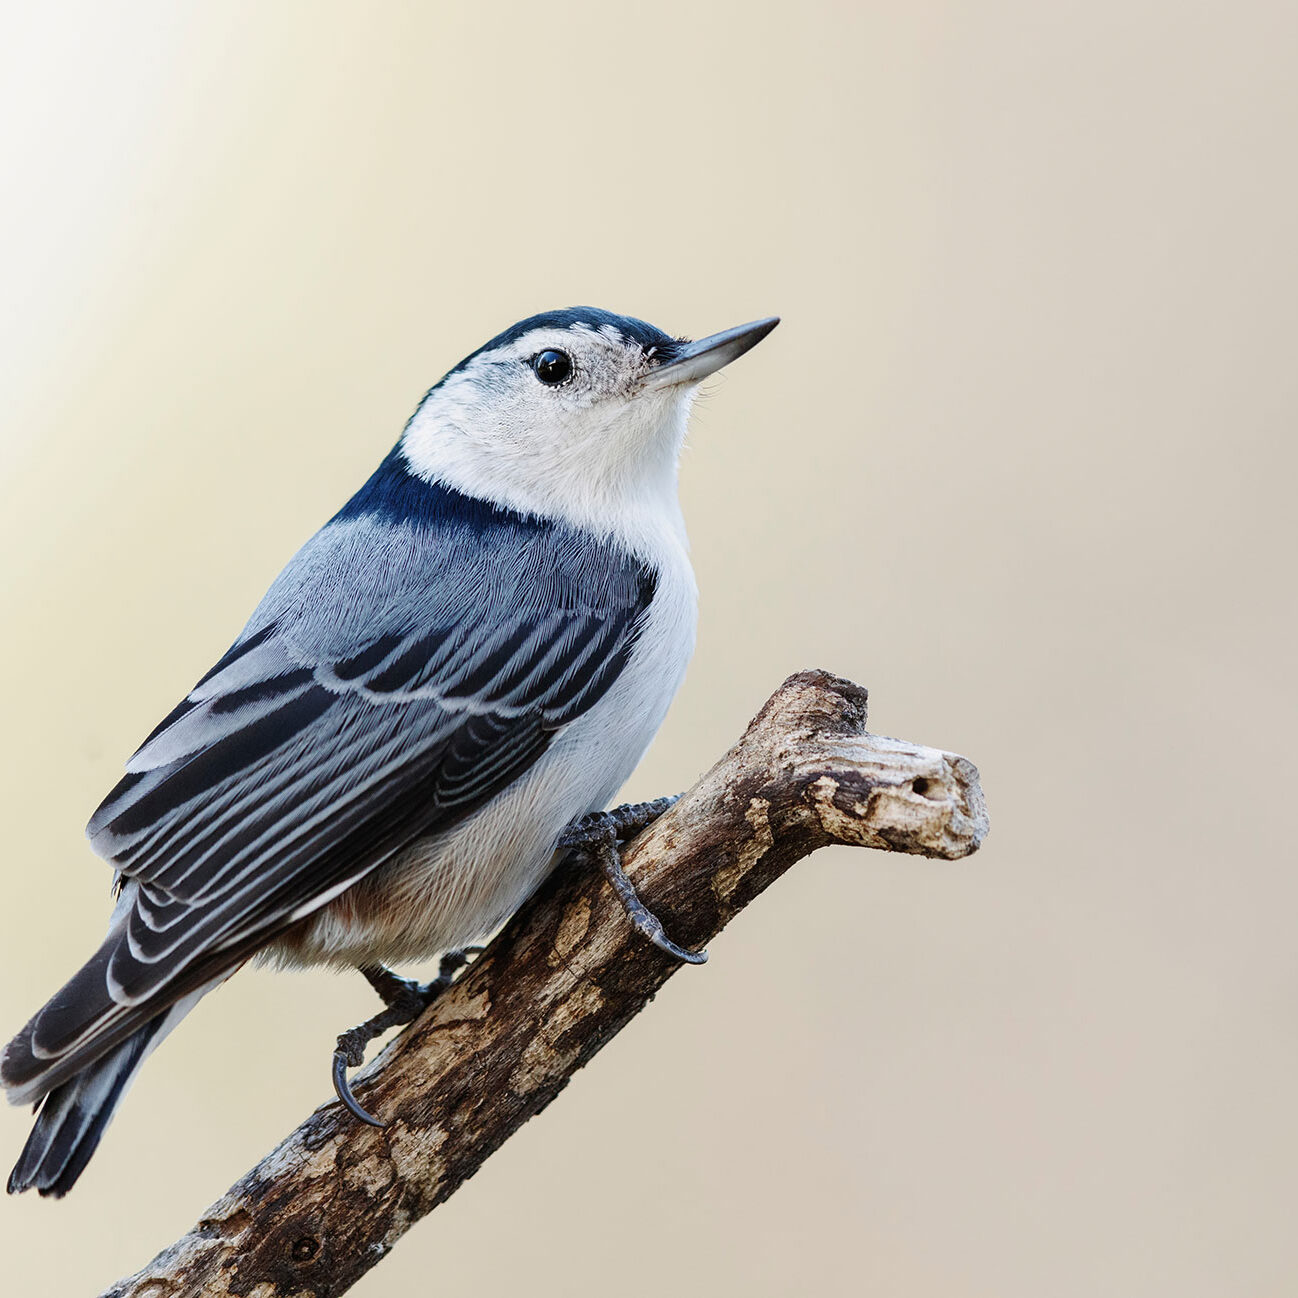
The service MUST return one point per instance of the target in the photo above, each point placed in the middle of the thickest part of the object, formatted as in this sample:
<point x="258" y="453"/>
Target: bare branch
<point x="565" y="975"/>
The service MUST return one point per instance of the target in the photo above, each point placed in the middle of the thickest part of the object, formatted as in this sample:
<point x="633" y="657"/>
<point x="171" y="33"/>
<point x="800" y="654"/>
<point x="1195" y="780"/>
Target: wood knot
<point x="304" y="1249"/>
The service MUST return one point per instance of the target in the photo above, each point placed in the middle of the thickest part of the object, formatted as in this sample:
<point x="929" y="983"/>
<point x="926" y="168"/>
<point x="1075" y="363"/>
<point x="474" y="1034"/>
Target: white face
<point x="560" y="421"/>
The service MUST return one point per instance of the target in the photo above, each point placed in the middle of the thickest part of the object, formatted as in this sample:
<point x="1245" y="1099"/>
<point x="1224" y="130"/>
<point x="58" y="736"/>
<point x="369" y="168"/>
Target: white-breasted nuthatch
<point x="422" y="717"/>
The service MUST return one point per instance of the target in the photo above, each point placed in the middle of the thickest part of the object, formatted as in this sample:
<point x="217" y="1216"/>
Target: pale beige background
<point x="1020" y="459"/>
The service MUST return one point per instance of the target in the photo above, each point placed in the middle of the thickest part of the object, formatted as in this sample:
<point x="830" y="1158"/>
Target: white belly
<point x="452" y="889"/>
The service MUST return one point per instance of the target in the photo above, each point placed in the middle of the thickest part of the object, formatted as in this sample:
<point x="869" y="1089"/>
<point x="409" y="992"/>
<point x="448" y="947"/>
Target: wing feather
<point x="396" y="676"/>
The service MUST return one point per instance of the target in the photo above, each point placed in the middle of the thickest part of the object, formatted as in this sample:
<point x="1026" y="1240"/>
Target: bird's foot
<point x="598" y="837"/>
<point x="406" y="1000"/>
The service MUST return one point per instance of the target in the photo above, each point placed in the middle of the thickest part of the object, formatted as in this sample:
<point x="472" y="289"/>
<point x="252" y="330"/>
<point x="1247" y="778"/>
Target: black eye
<point x="552" y="367"/>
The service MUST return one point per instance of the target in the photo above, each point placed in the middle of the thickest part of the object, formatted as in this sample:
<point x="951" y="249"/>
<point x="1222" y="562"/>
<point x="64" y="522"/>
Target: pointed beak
<point x="693" y="362"/>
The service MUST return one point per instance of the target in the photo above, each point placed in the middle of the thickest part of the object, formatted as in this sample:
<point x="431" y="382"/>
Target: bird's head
<point x="576" y="414"/>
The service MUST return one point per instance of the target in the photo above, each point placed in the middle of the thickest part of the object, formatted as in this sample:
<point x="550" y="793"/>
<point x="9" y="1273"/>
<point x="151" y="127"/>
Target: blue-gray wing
<point x="394" y="678"/>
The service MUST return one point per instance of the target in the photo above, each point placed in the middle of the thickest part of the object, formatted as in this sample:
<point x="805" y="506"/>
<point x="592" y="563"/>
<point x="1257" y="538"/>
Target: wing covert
<point x="397" y="675"/>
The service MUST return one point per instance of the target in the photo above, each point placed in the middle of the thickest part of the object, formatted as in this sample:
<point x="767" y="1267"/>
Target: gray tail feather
<point x="74" y="1116"/>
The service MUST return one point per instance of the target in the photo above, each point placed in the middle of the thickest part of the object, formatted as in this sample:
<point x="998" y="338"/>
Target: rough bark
<point x="565" y="975"/>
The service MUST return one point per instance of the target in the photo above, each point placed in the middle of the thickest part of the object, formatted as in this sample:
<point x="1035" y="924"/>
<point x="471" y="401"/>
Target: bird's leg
<point x="598" y="837"/>
<point x="406" y="1000"/>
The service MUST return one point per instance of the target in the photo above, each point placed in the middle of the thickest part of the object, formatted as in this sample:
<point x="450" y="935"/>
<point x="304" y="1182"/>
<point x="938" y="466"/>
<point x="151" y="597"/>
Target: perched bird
<point x="421" y="718"/>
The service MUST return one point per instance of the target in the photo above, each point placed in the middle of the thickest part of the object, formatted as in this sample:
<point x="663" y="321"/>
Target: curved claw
<point x="681" y="953"/>
<point x="603" y="847"/>
<point x="664" y="943"/>
<point x="344" y="1092"/>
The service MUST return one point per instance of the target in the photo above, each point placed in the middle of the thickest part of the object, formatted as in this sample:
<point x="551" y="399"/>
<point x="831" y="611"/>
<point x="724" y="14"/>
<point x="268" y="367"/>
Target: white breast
<point x="450" y="890"/>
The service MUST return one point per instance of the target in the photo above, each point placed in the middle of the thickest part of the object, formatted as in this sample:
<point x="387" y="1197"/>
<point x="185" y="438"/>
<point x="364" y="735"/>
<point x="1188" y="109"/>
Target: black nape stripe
<point x="396" y="495"/>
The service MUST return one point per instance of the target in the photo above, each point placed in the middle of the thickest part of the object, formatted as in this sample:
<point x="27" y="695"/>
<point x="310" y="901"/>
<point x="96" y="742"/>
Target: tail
<point x="74" y="1115"/>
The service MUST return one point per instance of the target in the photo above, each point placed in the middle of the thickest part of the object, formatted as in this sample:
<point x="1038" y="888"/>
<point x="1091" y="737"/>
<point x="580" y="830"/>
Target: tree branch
<point x="565" y="975"/>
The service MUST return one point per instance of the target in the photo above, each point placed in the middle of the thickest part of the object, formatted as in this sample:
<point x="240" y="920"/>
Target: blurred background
<point x="1019" y="459"/>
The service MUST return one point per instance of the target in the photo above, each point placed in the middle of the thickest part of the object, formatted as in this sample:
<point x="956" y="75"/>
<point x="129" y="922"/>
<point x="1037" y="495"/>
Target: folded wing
<point x="394" y="678"/>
